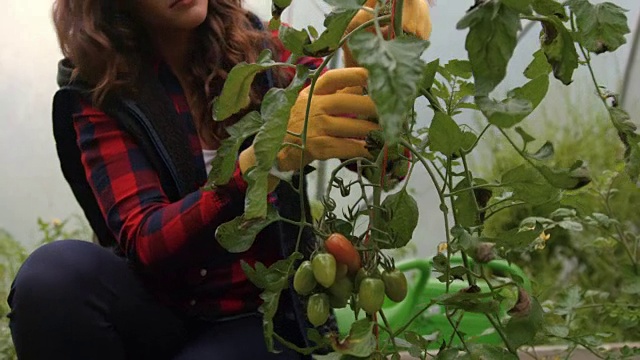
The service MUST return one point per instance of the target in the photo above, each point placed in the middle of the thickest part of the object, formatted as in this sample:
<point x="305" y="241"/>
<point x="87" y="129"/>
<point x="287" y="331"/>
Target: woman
<point x="133" y="134"/>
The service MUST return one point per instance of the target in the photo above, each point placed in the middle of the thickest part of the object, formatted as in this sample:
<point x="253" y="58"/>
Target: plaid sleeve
<point x="147" y="225"/>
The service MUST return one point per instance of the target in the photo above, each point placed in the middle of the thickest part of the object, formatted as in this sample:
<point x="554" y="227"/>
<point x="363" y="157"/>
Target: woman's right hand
<point x="335" y="128"/>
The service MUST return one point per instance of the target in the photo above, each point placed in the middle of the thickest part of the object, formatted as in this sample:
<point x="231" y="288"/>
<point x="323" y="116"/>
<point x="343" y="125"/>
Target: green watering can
<point x="420" y="292"/>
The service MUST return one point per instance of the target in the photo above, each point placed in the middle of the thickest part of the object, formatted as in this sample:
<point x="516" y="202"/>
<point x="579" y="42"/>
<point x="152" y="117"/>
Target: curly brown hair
<point x="108" y="47"/>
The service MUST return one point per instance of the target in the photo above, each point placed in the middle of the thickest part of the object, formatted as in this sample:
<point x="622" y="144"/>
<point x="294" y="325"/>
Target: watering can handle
<point x="513" y="269"/>
<point x="424" y="266"/>
<point x="502" y="266"/>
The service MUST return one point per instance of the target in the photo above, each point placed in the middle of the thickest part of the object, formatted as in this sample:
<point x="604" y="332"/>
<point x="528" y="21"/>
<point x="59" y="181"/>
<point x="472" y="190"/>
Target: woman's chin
<point x="190" y="19"/>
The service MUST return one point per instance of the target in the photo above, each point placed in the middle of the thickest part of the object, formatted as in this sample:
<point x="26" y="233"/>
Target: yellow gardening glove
<point x="416" y="19"/>
<point x="333" y="131"/>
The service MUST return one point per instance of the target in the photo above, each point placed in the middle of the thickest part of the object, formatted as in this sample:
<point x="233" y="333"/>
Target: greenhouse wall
<point x="32" y="186"/>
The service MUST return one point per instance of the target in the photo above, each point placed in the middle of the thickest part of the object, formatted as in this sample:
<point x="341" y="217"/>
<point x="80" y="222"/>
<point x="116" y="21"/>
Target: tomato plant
<point x="398" y="77"/>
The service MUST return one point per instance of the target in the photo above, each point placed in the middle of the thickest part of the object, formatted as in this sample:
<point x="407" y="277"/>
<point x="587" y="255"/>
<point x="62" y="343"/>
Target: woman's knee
<point x="58" y="269"/>
<point x="58" y="305"/>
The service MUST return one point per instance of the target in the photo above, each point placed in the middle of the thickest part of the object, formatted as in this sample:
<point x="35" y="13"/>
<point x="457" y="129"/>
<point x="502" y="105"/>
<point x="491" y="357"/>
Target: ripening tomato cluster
<point x="335" y="278"/>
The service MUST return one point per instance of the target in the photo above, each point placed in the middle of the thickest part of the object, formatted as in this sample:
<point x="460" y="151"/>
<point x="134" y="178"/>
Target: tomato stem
<point x="396" y="18"/>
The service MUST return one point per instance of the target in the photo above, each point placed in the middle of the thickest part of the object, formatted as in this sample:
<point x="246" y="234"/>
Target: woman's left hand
<point x="416" y="20"/>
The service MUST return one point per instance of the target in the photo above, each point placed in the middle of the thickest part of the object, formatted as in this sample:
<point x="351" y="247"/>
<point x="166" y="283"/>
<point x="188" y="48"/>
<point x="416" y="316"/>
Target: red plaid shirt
<point x="202" y="279"/>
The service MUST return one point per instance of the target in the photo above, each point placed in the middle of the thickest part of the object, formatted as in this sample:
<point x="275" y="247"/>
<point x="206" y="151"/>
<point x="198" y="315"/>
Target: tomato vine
<point x="398" y="76"/>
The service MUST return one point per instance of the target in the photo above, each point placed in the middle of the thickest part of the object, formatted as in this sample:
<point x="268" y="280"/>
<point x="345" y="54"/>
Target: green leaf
<point x="517" y="239"/>
<point x="570" y="225"/>
<point x="475" y="302"/>
<point x="360" y="342"/>
<point x="631" y="286"/>
<point x="455" y="273"/>
<point x="415" y="351"/>
<point x="313" y="31"/>
<point x="459" y="68"/>
<point x="489" y="352"/>
<point x="235" y="91"/>
<point x="447" y="354"/>
<point x="224" y="164"/>
<point x="429" y="74"/>
<point x="492" y="38"/>
<point x="533" y="91"/>
<point x="526" y="138"/>
<point x="559" y="49"/>
<point x="571" y="300"/>
<point x="282" y="4"/>
<point x="392" y="65"/>
<point x="538" y="67"/>
<point x="464" y="205"/>
<point x="522" y="330"/>
<point x="274" y="23"/>
<point x="601" y="27"/>
<point x="560" y="331"/>
<point x="521" y="6"/>
<point x="329" y="356"/>
<point x="468" y="141"/>
<point x="545" y="152"/>
<point x="563" y="178"/>
<point x="520" y="102"/>
<point x="550" y="8"/>
<point x="335" y="25"/>
<point x="238" y="235"/>
<point x="268" y="308"/>
<point x="418" y="342"/>
<point x="528" y="185"/>
<point x="340" y="226"/>
<point x="401" y="216"/>
<point x="275" y="109"/>
<point x="294" y="40"/>
<point x="562" y="213"/>
<point x="340" y="5"/>
<point x="273" y="279"/>
<point x="445" y="135"/>
<point x="505" y="113"/>
<point x="626" y="132"/>
<point x="440" y="263"/>
<point x="315" y="337"/>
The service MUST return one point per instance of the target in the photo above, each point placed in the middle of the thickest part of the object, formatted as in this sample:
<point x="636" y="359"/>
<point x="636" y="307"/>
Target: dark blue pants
<point x="75" y="300"/>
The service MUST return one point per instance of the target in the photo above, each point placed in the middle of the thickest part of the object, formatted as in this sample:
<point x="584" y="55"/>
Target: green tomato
<point x="361" y="274"/>
<point x="340" y="292"/>
<point x="371" y="295"/>
<point x="304" y="281"/>
<point x="395" y="284"/>
<point x="337" y="302"/>
<point x="318" y="309"/>
<point x="341" y="270"/>
<point x="324" y="269"/>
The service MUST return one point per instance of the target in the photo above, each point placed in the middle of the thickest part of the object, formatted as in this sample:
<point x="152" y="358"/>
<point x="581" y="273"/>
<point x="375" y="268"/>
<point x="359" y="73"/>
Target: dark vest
<point x="150" y="118"/>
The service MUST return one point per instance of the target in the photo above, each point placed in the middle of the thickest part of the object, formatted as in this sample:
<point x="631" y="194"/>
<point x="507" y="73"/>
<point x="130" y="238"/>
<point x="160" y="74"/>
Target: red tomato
<point x="344" y="251"/>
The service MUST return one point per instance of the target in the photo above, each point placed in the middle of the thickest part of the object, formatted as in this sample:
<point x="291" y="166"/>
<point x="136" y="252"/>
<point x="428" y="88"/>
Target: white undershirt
<point x="208" y="157"/>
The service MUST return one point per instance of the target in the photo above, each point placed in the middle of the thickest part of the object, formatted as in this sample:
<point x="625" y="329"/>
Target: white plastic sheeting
<point x="31" y="184"/>
<point x="630" y="98"/>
